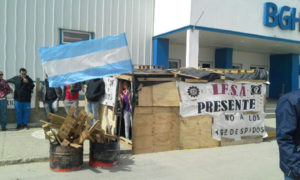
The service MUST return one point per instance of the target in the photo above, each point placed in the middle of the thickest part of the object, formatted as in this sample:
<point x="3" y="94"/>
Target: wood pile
<point x="73" y="131"/>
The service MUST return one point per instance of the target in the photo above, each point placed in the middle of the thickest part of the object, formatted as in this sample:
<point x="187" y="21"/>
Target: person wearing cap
<point x="4" y="90"/>
<point x="22" y="97"/>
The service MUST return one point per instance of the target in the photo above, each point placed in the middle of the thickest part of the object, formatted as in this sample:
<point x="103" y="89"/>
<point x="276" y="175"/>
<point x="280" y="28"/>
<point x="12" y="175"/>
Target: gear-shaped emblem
<point x="193" y="91"/>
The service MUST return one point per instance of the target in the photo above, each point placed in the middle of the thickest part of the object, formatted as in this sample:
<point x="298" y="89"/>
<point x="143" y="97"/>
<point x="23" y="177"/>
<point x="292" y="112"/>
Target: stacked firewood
<point x="72" y="131"/>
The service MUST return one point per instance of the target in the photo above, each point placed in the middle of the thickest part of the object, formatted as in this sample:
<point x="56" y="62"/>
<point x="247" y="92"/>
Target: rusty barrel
<point x="65" y="158"/>
<point x="104" y="154"/>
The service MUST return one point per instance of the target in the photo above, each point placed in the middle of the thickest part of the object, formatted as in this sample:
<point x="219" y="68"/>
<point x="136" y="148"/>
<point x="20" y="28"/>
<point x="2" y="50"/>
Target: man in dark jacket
<point x="288" y="134"/>
<point x="22" y="96"/>
<point x="94" y="92"/>
<point x="48" y="95"/>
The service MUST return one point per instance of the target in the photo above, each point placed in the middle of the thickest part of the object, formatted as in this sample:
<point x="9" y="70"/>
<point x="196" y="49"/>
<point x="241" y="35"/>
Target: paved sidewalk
<point x="242" y="162"/>
<point x="30" y="145"/>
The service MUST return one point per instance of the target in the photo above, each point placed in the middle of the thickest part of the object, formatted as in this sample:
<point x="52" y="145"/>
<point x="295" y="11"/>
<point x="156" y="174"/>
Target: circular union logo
<point x="193" y="91"/>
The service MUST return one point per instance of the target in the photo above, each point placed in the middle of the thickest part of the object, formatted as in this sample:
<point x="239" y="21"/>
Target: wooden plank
<point x="124" y="77"/>
<point x="154" y="73"/>
<point x="196" y="80"/>
<point x="56" y="119"/>
<point x="66" y="127"/>
<point x="75" y="145"/>
<point x="195" y="132"/>
<point x="142" y="125"/>
<point x="93" y="128"/>
<point x="186" y="75"/>
<point x="250" y="80"/>
<point x="142" y="144"/>
<point x="156" y="130"/>
<point x="250" y="70"/>
<point x="145" y="96"/>
<point x="52" y="125"/>
<point x="107" y="113"/>
<point x="143" y="110"/>
<point x="157" y="79"/>
<point x="127" y="141"/>
<point x="37" y="97"/>
<point x="165" y="94"/>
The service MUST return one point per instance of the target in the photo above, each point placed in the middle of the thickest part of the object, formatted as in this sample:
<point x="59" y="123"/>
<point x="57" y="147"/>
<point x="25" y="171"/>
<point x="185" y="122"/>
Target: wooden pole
<point x="37" y="97"/>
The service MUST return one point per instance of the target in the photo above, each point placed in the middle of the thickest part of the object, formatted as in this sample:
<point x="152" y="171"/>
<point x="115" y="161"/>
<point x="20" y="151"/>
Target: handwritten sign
<point x="109" y="98"/>
<point x="236" y="125"/>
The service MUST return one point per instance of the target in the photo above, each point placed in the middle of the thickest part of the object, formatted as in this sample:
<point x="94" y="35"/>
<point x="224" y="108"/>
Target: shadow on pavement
<point x="126" y="160"/>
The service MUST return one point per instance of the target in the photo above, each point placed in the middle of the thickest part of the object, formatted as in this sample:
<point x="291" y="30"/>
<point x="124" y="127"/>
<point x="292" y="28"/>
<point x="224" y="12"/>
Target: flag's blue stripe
<point x="92" y="73"/>
<point x="82" y="47"/>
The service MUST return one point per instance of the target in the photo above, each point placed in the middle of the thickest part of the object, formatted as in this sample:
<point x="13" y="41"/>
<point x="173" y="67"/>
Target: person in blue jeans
<point x="125" y="99"/>
<point x="288" y="134"/>
<point x="22" y="97"/>
<point x="4" y="90"/>
<point x="48" y="96"/>
<point x="94" y="92"/>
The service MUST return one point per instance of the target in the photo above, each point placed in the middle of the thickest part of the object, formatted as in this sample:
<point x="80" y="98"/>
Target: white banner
<point x="218" y="98"/>
<point x="110" y="91"/>
<point x="236" y="125"/>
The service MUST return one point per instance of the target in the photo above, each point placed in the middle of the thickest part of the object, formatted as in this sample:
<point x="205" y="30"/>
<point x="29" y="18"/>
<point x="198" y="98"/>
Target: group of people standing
<point x="22" y="97"/>
<point x="50" y="96"/>
<point x="70" y="96"/>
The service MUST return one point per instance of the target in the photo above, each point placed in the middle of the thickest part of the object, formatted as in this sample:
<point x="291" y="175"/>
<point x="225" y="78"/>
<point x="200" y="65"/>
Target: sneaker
<point x="19" y="127"/>
<point x="26" y="127"/>
<point x="3" y="129"/>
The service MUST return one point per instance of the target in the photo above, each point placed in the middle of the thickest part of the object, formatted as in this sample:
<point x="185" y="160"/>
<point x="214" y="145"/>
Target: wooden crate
<point x="106" y="114"/>
<point x="155" y="129"/>
<point x="163" y="94"/>
<point x="195" y="132"/>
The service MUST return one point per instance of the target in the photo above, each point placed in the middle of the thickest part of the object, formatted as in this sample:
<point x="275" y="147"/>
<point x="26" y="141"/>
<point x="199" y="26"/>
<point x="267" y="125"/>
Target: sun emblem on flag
<point x="193" y="91"/>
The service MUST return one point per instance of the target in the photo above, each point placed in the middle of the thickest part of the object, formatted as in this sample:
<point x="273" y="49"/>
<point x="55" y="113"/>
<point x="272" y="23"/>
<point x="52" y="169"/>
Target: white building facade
<point x="252" y="34"/>
<point x="26" y="25"/>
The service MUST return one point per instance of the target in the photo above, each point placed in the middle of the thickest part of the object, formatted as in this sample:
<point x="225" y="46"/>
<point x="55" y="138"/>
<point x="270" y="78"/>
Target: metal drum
<point x="65" y="158"/>
<point x="104" y="154"/>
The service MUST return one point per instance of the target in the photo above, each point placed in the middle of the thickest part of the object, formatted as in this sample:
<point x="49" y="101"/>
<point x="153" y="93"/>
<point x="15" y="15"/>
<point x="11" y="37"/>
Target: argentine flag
<point x="85" y="60"/>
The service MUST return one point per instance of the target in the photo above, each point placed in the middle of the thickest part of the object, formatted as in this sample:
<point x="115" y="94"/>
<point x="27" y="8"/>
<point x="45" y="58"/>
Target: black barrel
<point x="104" y="154"/>
<point x="65" y="158"/>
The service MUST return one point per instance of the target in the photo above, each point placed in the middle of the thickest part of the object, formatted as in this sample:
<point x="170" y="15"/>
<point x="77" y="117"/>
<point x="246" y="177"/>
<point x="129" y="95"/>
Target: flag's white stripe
<point x="84" y="62"/>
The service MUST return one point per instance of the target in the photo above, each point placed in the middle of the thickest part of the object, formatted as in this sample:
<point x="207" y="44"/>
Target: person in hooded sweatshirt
<point x="94" y="92"/>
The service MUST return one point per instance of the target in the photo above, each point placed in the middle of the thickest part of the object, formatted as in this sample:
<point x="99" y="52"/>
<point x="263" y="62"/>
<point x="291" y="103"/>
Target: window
<point x="174" y="63"/>
<point x="70" y="36"/>
<point x="205" y="64"/>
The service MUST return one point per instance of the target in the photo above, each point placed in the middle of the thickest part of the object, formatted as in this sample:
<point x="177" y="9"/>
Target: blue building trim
<point x="161" y="52"/>
<point x="227" y="32"/>
<point x="60" y="36"/>
<point x="284" y="73"/>
<point x="223" y="58"/>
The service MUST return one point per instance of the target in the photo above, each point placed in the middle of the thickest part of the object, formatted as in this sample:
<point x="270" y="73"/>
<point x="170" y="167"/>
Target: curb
<point x="42" y="159"/>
